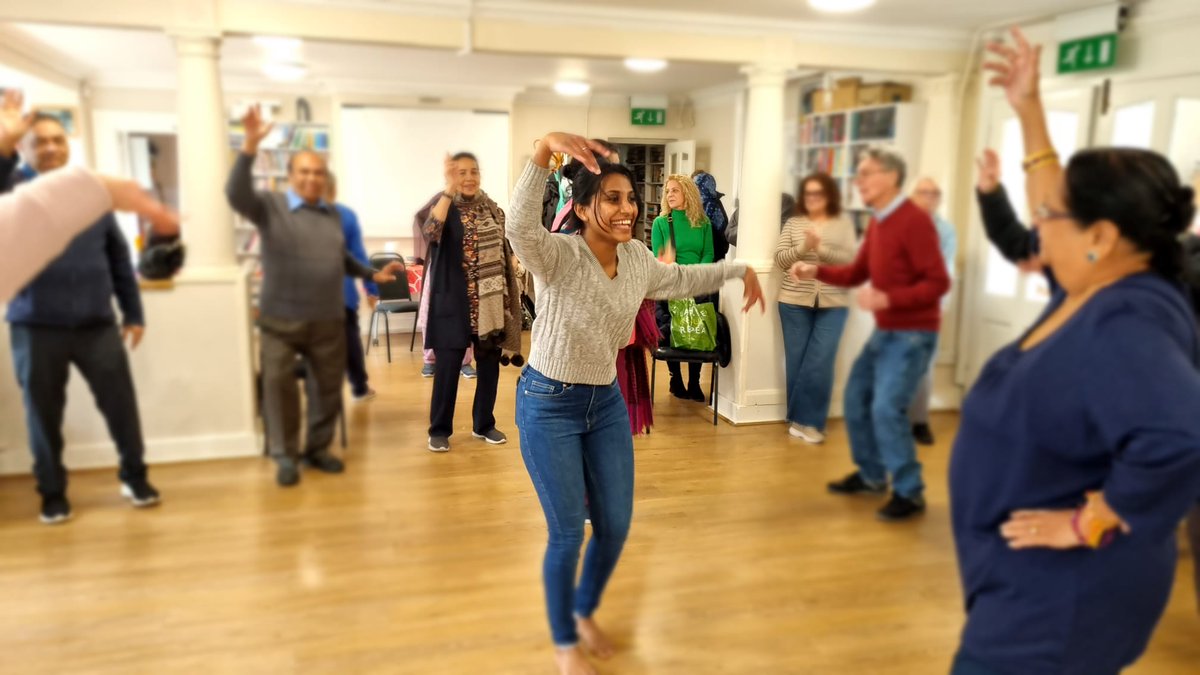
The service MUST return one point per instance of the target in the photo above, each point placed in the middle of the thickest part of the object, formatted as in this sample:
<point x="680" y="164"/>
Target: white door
<point x="681" y="157"/>
<point x="1005" y="301"/>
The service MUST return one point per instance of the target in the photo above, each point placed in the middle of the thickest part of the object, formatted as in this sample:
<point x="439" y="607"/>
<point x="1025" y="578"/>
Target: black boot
<point x="694" y="392"/>
<point x="677" y="388"/>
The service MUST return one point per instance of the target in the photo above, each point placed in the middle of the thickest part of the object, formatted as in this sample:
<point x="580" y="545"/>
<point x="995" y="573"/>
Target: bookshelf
<point x="649" y="165"/>
<point x="270" y="174"/>
<point x="834" y="142"/>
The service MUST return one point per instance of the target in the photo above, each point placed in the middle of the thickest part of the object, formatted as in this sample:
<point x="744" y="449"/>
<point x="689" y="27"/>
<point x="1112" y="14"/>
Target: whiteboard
<point x="391" y="161"/>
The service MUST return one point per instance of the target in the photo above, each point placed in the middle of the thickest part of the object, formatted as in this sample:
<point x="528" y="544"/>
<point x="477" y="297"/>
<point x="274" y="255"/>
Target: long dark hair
<point x="586" y="185"/>
<point x="1141" y="193"/>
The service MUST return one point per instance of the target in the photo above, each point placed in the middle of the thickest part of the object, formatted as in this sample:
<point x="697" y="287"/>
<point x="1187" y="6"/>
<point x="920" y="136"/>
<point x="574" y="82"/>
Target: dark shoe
<point x="922" y="434"/>
<point x="140" y="493"/>
<point x="901" y="508"/>
<point x="678" y="390"/>
<point x="288" y="473"/>
<point x="55" y="509"/>
<point x="439" y="444"/>
<point x="324" y="461"/>
<point x="494" y="437"/>
<point x="695" y="393"/>
<point x="855" y="485"/>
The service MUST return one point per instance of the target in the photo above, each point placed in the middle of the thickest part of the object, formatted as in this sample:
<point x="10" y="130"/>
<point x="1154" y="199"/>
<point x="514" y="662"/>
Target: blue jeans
<point x="810" y="344"/>
<point x="880" y="389"/>
<point x="576" y="444"/>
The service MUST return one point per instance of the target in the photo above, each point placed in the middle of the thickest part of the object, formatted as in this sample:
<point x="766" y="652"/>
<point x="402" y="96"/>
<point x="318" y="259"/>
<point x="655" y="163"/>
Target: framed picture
<point x="68" y="117"/>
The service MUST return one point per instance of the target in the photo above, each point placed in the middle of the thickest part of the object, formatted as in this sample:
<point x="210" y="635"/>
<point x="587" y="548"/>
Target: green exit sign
<point x="1091" y="53"/>
<point x="647" y="117"/>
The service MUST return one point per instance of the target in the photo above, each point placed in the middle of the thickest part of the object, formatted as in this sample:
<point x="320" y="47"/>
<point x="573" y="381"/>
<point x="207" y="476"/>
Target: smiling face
<point x="468" y="177"/>
<point x="611" y="215"/>
<point x="307" y="176"/>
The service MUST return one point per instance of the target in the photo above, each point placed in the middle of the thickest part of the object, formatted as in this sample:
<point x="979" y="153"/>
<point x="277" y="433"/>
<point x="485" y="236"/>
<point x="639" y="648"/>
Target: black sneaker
<point x="140" y="493"/>
<point x="324" y="461"/>
<point x="855" y="485"/>
<point x="494" y="437"/>
<point x="922" y="434"/>
<point x="901" y="508"/>
<point x="439" y="444"/>
<point x="288" y="473"/>
<point x="55" y="509"/>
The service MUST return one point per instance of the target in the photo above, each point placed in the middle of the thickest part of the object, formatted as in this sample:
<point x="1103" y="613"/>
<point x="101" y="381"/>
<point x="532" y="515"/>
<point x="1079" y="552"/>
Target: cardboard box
<point x="845" y="94"/>
<point x="883" y="93"/>
<point x="820" y="102"/>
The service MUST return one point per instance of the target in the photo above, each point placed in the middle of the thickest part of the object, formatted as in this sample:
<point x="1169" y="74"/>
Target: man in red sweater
<point x="902" y="261"/>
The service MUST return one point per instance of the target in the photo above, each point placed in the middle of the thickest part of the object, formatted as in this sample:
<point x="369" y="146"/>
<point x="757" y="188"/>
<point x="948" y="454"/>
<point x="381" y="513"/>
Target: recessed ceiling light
<point x="285" y="72"/>
<point x="572" y="88"/>
<point x="645" y="65"/>
<point x="278" y="46"/>
<point x="840" y="6"/>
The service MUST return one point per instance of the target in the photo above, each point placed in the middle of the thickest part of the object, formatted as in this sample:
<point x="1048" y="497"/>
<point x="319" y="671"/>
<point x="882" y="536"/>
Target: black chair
<point x="394" y="298"/>
<point x="718" y="358"/>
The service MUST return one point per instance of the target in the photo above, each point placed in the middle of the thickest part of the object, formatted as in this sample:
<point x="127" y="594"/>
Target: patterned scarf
<point x="491" y="280"/>
<point x="633" y="371"/>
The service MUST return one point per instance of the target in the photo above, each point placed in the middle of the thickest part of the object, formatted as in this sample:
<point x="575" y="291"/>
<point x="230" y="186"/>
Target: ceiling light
<point x="840" y="6"/>
<point x="572" y="88"/>
<point x="645" y="65"/>
<point x="285" y="72"/>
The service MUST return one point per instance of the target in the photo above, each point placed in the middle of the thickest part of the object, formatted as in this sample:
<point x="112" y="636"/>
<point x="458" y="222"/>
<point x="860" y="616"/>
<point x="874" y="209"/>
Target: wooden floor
<point x="412" y="562"/>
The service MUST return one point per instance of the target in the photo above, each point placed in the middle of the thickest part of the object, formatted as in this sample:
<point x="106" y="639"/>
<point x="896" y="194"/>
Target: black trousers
<point x="446" y="373"/>
<point x="1193" y="530"/>
<point x="356" y="362"/>
<point x="42" y="357"/>
<point x="322" y="345"/>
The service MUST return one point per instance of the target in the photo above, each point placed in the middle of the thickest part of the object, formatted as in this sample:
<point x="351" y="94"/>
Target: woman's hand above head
<point x="1017" y="71"/>
<point x="753" y="293"/>
<point x="582" y="149"/>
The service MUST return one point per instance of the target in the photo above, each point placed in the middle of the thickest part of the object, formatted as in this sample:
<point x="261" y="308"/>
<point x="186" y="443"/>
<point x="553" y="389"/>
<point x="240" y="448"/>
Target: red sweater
<point x="901" y="257"/>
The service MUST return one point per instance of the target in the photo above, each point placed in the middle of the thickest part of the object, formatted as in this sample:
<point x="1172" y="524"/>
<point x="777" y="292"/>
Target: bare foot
<point x="573" y="662"/>
<point x="594" y="639"/>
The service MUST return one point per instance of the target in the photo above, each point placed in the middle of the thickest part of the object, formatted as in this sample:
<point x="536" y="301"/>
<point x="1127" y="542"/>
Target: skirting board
<point x="17" y="460"/>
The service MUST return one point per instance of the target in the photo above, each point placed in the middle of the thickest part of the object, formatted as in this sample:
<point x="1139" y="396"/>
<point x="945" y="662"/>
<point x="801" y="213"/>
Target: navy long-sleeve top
<point x="76" y="289"/>
<point x="1108" y="402"/>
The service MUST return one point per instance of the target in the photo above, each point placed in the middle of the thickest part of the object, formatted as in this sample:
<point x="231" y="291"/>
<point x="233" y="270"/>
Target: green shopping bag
<point x="693" y="326"/>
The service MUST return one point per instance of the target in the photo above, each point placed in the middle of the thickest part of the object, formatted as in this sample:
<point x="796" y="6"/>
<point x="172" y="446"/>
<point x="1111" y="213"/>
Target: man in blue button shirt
<point x="65" y="316"/>
<point x="356" y="363"/>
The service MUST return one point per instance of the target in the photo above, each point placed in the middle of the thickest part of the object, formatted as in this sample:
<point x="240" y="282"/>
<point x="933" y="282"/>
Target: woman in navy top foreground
<point x="1079" y="448"/>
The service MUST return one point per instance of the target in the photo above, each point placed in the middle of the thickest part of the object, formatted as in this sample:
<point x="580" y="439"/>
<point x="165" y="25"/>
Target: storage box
<point x="845" y="94"/>
<point x="820" y="102"/>
<point x="883" y="93"/>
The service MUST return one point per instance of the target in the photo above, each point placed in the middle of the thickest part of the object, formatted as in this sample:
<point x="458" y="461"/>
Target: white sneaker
<point x="807" y="434"/>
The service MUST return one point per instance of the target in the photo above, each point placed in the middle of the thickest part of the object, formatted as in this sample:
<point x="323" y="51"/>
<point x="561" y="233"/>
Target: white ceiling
<point x="132" y="58"/>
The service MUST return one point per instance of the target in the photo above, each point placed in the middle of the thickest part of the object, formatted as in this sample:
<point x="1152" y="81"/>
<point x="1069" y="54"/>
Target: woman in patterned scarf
<point x="474" y="299"/>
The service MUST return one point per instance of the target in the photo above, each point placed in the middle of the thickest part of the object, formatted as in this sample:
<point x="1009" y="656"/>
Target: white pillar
<point x="203" y="139"/>
<point x="752" y="389"/>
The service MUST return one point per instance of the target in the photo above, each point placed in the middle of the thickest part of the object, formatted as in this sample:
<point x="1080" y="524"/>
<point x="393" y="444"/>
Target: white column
<point x="752" y="388"/>
<point x="203" y="139"/>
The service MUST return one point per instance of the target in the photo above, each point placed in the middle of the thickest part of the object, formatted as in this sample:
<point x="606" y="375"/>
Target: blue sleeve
<point x="1141" y="392"/>
<point x="125" y="285"/>
<point x="354" y="244"/>
<point x="948" y="238"/>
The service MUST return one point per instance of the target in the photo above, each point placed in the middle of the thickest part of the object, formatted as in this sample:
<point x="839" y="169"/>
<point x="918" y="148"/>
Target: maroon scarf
<point x="633" y="371"/>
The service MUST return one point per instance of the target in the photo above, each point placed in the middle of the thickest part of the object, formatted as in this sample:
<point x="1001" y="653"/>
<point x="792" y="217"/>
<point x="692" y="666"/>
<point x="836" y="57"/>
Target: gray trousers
<point x="322" y="345"/>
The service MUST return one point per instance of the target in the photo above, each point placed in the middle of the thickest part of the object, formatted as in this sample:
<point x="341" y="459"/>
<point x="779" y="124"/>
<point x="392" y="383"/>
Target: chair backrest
<point x="392" y="290"/>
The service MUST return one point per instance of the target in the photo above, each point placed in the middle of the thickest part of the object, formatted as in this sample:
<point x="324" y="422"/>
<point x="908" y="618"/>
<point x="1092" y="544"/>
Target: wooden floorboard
<point x="411" y="562"/>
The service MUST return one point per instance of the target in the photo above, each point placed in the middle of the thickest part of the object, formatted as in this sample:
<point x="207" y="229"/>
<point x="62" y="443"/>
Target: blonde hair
<point x="693" y="206"/>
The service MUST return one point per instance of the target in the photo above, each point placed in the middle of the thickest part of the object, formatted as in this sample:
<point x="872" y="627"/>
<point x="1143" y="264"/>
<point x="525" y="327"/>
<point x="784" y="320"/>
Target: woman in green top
<point x="692" y="244"/>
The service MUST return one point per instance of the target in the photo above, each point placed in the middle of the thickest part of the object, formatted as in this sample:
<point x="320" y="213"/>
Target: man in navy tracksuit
<point x="65" y="316"/>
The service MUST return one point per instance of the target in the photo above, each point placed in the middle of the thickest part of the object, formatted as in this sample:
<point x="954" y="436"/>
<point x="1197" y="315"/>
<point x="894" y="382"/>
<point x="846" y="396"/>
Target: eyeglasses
<point x="930" y="193"/>
<point x="816" y="193"/>
<point x="867" y="173"/>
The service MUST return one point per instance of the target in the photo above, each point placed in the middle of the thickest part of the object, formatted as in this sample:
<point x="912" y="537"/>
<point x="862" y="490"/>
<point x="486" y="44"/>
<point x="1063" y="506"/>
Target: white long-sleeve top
<point x="39" y="219"/>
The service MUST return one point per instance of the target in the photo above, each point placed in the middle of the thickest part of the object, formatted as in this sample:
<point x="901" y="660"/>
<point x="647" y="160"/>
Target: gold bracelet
<point x="1038" y="157"/>
<point x="1029" y="167"/>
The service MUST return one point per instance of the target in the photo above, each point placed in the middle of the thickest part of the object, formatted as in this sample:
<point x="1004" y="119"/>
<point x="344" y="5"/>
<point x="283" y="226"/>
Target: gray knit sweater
<point x="583" y="317"/>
